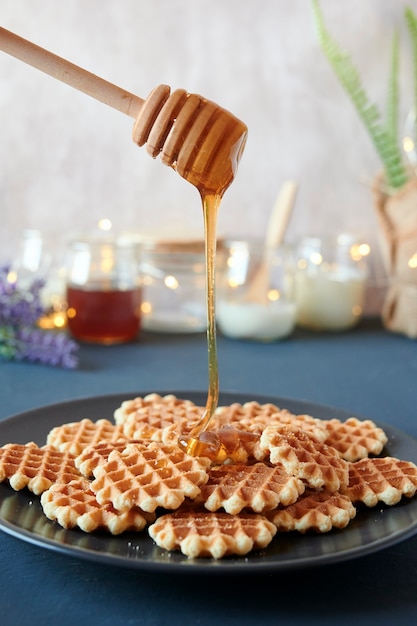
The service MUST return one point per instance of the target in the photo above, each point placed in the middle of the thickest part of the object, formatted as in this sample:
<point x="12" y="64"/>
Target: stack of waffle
<point x="285" y="472"/>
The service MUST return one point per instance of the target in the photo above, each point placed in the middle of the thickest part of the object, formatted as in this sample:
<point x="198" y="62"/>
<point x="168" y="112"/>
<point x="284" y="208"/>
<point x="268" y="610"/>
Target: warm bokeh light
<point x="274" y="295"/>
<point x="11" y="277"/>
<point x="146" y="308"/>
<point x="171" y="282"/>
<point x="412" y="261"/>
<point x="52" y="321"/>
<point x="105" y="224"/>
<point x="408" y="144"/>
<point x="359" y="250"/>
<point x="316" y="258"/>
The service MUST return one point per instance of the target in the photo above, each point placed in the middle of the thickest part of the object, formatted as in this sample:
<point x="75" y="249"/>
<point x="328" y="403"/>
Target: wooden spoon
<point x="277" y="225"/>
<point x="199" y="139"/>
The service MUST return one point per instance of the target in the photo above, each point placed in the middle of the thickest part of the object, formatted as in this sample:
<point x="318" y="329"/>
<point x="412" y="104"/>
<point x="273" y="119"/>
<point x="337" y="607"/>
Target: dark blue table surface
<point x="368" y="372"/>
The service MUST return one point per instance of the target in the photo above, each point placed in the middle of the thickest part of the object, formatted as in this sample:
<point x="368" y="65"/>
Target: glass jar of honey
<point x="103" y="290"/>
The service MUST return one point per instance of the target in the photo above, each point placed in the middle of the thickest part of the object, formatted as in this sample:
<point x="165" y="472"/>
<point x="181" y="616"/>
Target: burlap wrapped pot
<point x="397" y="218"/>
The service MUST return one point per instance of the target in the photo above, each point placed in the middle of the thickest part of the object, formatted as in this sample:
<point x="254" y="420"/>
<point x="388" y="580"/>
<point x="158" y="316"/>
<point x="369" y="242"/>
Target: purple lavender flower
<point x="49" y="348"/>
<point x="20" y="339"/>
<point x="17" y="306"/>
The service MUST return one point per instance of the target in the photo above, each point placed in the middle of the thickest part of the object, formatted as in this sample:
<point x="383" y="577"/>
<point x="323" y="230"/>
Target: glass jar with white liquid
<point x="254" y="299"/>
<point x="330" y="282"/>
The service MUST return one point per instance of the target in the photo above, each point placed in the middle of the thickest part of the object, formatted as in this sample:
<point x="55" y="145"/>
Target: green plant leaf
<point x="383" y="140"/>
<point x="411" y="20"/>
<point x="392" y="95"/>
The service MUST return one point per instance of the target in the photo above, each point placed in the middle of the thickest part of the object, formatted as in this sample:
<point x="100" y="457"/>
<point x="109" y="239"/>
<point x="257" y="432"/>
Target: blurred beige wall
<point x="67" y="160"/>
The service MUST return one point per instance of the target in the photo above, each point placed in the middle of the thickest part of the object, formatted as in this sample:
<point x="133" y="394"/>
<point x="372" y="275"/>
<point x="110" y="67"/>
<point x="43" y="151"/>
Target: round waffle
<point x="91" y="456"/>
<point x="258" y="487"/>
<point x="149" y="476"/>
<point x="254" y="417"/>
<point x="315" y="511"/>
<point x="318" y="464"/>
<point x="74" y="504"/>
<point x="233" y="414"/>
<point x="382" y="479"/>
<point x="145" y="418"/>
<point x="200" y="533"/>
<point x="76" y="436"/>
<point x="35" y="468"/>
<point x="355" y="439"/>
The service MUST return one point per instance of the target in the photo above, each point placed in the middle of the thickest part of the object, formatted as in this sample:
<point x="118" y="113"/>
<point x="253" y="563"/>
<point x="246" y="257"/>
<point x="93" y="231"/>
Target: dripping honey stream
<point x="192" y="443"/>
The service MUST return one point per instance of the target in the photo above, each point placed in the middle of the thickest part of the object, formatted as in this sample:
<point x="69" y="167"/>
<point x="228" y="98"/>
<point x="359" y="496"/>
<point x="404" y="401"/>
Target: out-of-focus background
<point x="68" y="161"/>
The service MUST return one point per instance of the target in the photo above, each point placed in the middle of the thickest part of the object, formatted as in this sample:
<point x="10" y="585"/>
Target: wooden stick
<point x="71" y="74"/>
<point x="277" y="225"/>
<point x="280" y="214"/>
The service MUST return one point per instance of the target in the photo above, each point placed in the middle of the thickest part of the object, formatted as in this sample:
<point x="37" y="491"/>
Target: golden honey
<point x="212" y="181"/>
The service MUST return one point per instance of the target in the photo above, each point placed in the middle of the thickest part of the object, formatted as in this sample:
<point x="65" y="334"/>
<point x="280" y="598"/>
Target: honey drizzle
<point x="193" y="444"/>
<point x="212" y="182"/>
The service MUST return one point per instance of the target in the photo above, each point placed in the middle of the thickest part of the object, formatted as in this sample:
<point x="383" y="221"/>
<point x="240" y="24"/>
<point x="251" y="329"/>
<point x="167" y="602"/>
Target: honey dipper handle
<point x="70" y="74"/>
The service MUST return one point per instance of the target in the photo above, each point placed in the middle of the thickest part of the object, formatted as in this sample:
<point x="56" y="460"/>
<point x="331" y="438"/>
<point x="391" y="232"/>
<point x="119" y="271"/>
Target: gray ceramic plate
<point x="371" y="530"/>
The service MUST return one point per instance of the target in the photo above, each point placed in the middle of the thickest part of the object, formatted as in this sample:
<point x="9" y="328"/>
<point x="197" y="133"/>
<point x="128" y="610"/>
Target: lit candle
<point x="252" y="320"/>
<point x="254" y="299"/>
<point x="329" y="284"/>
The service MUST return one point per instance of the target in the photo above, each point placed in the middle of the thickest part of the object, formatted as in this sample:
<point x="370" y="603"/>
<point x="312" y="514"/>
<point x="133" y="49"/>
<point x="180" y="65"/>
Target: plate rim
<point x="206" y="566"/>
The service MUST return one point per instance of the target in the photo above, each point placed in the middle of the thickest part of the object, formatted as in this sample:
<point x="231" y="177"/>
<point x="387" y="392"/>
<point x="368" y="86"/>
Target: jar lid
<point x="179" y="244"/>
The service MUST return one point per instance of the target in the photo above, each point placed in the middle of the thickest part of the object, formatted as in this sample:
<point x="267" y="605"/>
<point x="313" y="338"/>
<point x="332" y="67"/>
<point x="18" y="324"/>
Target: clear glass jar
<point x="254" y="298"/>
<point x="330" y="282"/>
<point x="174" y="287"/>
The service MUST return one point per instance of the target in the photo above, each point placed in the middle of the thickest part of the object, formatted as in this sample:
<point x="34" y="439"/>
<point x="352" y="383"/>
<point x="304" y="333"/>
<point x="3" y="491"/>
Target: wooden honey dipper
<point x="199" y="139"/>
